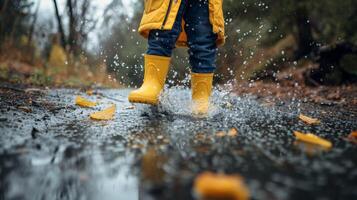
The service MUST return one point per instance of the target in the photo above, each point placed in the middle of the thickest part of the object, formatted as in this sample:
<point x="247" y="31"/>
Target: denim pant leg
<point x="201" y="39"/>
<point x="162" y="42"/>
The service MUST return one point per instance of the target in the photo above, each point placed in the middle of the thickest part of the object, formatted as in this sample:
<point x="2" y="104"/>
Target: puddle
<point x="155" y="153"/>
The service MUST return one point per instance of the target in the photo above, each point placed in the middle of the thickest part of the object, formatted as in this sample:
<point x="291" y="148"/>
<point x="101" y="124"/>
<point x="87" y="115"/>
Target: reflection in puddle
<point x="77" y="174"/>
<point x="120" y="185"/>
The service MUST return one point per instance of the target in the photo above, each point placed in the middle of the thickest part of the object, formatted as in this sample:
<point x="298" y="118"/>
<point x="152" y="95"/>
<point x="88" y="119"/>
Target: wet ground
<point x="50" y="149"/>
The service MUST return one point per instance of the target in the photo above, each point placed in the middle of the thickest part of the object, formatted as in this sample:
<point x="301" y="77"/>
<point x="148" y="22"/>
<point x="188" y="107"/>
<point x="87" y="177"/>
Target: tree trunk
<point x="13" y="29"/>
<point x="32" y="28"/>
<point x="305" y="40"/>
<point x="60" y="26"/>
<point x="73" y="33"/>
<point x="2" y="13"/>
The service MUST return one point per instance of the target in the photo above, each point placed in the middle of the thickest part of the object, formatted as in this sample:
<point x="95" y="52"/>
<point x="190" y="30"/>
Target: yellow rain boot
<point x="201" y="86"/>
<point x="156" y="68"/>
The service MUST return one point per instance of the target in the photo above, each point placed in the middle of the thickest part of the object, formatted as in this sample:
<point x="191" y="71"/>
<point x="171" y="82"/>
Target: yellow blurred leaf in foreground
<point x="105" y="114"/>
<point x="84" y="102"/>
<point x="309" y="120"/>
<point x="313" y="139"/>
<point x="219" y="186"/>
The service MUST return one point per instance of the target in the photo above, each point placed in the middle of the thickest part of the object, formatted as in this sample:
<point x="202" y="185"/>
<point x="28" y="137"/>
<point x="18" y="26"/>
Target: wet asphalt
<point x="50" y="149"/>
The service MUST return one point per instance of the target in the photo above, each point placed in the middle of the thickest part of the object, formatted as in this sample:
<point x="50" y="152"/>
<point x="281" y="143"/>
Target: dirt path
<point x="50" y="149"/>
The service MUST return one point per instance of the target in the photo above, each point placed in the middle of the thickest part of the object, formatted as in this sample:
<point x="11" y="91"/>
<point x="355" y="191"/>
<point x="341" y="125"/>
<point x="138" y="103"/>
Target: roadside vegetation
<point x="264" y="38"/>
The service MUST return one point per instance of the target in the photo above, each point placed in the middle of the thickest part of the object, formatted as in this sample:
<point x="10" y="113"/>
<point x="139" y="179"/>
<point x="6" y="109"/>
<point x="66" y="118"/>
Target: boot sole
<point x="143" y="100"/>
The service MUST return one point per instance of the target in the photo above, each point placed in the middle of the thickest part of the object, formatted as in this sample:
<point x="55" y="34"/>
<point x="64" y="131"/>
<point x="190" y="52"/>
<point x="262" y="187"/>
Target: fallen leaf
<point x="309" y="120"/>
<point x="313" y="139"/>
<point x="219" y="186"/>
<point x="84" y="102"/>
<point x="89" y="92"/>
<point x="105" y="114"/>
<point x="220" y="134"/>
<point x="25" y="109"/>
<point x="200" y="136"/>
<point x="352" y="137"/>
<point x="232" y="132"/>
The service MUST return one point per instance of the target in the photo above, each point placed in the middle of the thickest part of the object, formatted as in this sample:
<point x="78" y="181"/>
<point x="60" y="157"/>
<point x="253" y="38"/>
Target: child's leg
<point x="162" y="42"/>
<point x="202" y="51"/>
<point x="201" y="39"/>
<point x="157" y="61"/>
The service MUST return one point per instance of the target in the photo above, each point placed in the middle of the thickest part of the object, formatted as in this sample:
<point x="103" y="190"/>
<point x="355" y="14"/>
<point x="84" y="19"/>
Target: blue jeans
<point x="200" y="38"/>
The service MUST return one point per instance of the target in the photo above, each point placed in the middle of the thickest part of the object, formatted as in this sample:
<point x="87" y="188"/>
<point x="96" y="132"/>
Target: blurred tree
<point x="60" y="25"/>
<point x="80" y="23"/>
<point x="33" y="23"/>
<point x="14" y="20"/>
<point x="252" y="25"/>
<point x="330" y="71"/>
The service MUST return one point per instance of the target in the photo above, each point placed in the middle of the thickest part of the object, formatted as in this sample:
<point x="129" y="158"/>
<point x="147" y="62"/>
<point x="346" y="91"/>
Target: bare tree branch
<point x="60" y="26"/>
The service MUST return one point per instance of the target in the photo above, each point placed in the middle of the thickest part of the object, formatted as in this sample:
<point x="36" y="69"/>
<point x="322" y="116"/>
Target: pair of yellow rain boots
<point x="156" y="69"/>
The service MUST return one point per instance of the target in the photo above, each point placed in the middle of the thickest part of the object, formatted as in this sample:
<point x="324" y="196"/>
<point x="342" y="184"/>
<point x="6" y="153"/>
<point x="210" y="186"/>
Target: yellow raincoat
<point x="161" y="14"/>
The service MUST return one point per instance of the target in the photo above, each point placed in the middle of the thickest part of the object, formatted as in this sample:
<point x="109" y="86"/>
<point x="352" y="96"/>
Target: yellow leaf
<point x="84" y="102"/>
<point x="105" y="114"/>
<point x="219" y="186"/>
<point x="220" y="134"/>
<point x="309" y="120"/>
<point x="313" y="139"/>
<point x="232" y="132"/>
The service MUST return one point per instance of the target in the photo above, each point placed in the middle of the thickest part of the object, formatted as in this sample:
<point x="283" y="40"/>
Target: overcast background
<point x="47" y="15"/>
